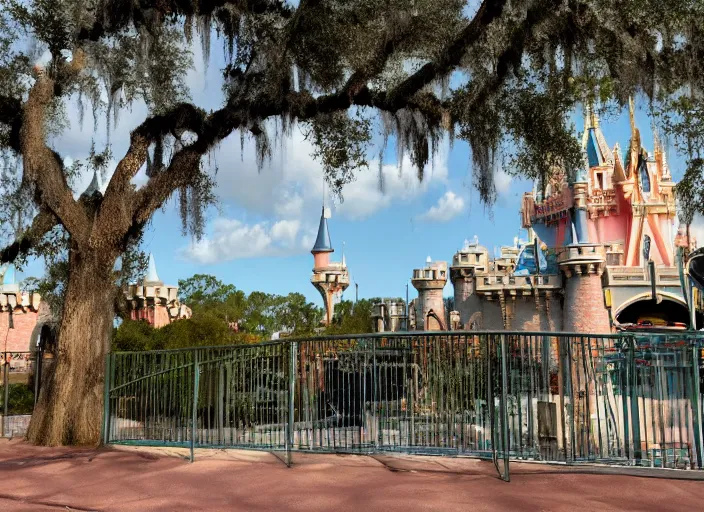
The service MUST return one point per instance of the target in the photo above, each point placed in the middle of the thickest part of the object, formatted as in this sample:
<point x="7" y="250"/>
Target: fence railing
<point x="20" y="378"/>
<point x="624" y="399"/>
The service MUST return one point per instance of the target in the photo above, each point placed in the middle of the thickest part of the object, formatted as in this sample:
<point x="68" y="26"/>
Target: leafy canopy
<point x="502" y="75"/>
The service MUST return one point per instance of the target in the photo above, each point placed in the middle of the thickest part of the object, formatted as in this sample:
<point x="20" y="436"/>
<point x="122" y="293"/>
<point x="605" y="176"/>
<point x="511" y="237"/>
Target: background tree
<point x="502" y="75"/>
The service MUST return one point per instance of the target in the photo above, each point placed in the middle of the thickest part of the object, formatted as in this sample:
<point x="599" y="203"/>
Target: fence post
<point x="106" y="398"/>
<point x="633" y="394"/>
<point x="194" y="411"/>
<point x="504" y="408"/>
<point x="6" y="398"/>
<point x="291" y="399"/>
<point x="696" y="406"/>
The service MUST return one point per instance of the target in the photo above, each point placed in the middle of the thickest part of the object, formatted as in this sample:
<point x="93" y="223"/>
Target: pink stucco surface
<point x="39" y="479"/>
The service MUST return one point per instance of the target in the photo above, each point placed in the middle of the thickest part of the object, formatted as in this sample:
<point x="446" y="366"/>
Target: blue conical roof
<point x="322" y="242"/>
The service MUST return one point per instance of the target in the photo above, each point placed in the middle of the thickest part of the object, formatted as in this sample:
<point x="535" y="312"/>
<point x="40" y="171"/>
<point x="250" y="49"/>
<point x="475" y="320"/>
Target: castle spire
<point x="322" y="242"/>
<point x="152" y="276"/>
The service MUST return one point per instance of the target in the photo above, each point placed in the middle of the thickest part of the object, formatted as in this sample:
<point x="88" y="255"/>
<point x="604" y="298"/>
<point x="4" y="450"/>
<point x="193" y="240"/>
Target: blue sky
<point x="260" y="238"/>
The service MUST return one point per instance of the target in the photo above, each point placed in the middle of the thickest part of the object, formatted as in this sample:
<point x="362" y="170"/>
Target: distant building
<point x="153" y="301"/>
<point x="389" y="315"/>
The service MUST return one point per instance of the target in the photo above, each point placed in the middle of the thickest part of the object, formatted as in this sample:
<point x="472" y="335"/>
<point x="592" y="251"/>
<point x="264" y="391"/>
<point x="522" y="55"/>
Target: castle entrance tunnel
<point x="663" y="313"/>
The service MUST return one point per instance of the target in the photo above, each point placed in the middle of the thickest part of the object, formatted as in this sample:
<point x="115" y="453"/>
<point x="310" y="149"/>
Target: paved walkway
<point x="126" y="479"/>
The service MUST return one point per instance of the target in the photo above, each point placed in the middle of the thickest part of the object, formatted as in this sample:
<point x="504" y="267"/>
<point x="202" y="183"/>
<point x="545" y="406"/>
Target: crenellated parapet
<point x="582" y="259"/>
<point x="153" y="301"/>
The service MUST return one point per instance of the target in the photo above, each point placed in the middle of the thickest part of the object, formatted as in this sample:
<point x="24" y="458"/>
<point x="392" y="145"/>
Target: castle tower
<point x="18" y="312"/>
<point x="430" y="307"/>
<point x="469" y="261"/>
<point x="153" y="301"/>
<point x="329" y="278"/>
<point x="584" y="309"/>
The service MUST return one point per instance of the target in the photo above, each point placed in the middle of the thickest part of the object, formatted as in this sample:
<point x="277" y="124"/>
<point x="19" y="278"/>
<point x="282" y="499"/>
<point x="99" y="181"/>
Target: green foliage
<point x="352" y="317"/>
<point x="222" y="315"/>
<point x="21" y="399"/>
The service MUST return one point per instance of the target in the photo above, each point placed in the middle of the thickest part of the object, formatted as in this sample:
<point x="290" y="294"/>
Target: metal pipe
<point x="194" y="410"/>
<point x="504" y="409"/>
<point x="291" y="401"/>
<point x="6" y="400"/>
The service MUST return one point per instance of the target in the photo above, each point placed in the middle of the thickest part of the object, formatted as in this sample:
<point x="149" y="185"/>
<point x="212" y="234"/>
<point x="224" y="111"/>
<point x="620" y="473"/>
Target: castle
<point x="601" y="254"/>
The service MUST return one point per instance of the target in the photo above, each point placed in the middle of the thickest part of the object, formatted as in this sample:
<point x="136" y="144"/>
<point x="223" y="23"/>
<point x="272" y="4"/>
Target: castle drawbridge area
<point x="622" y="399"/>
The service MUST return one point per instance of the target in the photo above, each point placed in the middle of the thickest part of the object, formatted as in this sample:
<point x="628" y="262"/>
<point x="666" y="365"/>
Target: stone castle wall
<point x="429" y="298"/>
<point x="584" y="309"/>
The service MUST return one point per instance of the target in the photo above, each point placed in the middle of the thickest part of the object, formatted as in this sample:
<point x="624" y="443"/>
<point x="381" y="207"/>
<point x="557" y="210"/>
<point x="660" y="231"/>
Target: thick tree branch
<point x="43" y="168"/>
<point x="44" y="222"/>
<point x="236" y="114"/>
<point x="183" y="167"/>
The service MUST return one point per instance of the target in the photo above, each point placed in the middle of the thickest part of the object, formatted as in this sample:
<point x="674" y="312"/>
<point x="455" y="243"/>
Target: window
<point x="428" y="274"/>
<point x="600" y="180"/>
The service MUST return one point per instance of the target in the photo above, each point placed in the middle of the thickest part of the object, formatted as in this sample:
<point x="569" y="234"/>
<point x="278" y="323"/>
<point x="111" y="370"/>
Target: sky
<point x="261" y="235"/>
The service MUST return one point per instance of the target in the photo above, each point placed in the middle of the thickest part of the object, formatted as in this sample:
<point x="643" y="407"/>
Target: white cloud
<point x="449" y="206"/>
<point x="502" y="182"/>
<point x="233" y="239"/>
<point x="291" y="183"/>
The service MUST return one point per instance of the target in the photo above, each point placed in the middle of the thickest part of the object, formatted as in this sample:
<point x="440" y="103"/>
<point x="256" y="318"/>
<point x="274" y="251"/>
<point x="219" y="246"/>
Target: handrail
<point x="415" y="334"/>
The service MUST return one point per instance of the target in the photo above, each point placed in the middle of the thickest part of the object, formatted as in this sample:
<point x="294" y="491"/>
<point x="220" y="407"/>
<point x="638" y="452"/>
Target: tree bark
<point x="70" y="405"/>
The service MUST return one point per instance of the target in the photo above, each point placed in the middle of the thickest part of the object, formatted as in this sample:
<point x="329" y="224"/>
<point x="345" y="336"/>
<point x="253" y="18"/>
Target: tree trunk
<point x="70" y="405"/>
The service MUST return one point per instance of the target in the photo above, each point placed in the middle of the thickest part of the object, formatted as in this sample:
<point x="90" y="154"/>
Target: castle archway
<point x="669" y="311"/>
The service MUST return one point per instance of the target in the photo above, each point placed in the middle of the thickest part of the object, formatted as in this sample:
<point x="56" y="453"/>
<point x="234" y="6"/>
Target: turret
<point x="430" y="307"/>
<point x="153" y="301"/>
<point x="329" y="278"/>
<point x="469" y="261"/>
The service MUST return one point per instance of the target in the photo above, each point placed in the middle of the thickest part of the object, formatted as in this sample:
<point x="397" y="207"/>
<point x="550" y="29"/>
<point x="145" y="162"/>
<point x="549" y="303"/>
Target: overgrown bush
<point x="21" y="399"/>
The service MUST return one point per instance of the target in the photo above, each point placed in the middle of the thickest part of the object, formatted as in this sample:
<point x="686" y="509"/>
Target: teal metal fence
<point x="623" y="399"/>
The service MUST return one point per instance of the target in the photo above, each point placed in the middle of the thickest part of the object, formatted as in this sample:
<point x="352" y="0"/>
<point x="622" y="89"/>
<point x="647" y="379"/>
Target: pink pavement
<point x="129" y="479"/>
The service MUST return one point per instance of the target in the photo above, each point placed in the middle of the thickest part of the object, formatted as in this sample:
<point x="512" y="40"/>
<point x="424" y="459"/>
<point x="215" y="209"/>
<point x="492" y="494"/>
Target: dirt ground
<point x="125" y="479"/>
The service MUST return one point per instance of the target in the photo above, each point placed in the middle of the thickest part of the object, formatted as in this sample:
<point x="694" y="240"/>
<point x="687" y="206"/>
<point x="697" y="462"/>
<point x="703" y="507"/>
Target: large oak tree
<point x="503" y="75"/>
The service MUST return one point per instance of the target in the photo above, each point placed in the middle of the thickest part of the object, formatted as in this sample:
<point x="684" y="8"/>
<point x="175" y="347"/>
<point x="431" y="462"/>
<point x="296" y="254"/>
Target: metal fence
<point x="20" y="379"/>
<point x="621" y="399"/>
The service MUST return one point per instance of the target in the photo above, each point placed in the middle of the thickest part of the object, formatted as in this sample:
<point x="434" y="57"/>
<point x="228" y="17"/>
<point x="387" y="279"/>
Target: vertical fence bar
<point x="291" y="400"/>
<point x="38" y="372"/>
<point x="504" y="409"/>
<point x="696" y="405"/>
<point x="106" y="399"/>
<point x="194" y="410"/>
<point x="6" y="398"/>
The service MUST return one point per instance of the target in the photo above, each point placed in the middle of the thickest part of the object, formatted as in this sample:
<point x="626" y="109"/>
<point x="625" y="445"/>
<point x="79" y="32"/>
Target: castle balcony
<point x="602" y="202"/>
<point x="519" y="286"/>
<point x="582" y="254"/>
<point x="331" y="275"/>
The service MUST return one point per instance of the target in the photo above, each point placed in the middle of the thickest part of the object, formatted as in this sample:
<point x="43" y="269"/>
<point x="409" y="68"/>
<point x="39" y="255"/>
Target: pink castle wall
<point x="19" y="338"/>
